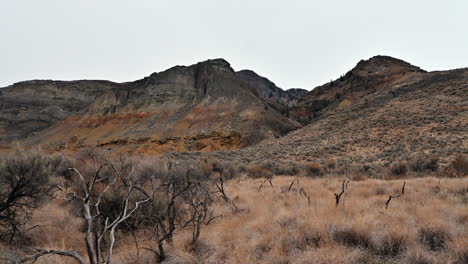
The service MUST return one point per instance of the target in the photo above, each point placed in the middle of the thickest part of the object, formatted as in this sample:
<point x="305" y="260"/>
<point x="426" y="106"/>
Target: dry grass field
<point x="301" y="223"/>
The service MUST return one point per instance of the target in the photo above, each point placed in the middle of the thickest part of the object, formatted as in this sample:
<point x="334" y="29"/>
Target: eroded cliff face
<point x="31" y="106"/>
<point x="203" y="107"/>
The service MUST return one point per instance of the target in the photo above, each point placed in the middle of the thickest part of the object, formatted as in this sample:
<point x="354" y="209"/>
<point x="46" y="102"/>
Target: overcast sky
<point x="294" y="43"/>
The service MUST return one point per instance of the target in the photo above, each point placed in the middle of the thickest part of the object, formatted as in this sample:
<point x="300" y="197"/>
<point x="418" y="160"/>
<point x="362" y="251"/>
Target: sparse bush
<point x="278" y="168"/>
<point x="310" y="239"/>
<point x="313" y="169"/>
<point x="417" y="256"/>
<point x="462" y="258"/>
<point x="242" y="169"/>
<point x="422" y="164"/>
<point x="289" y="170"/>
<point x="24" y="184"/>
<point x="434" y="239"/>
<point x="331" y="164"/>
<point x="258" y="172"/>
<point x="388" y="245"/>
<point x="355" y="176"/>
<point x="460" y="164"/>
<point x="351" y="237"/>
<point x="399" y="169"/>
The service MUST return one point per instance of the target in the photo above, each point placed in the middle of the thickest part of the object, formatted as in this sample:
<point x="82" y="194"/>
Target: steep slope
<point x="368" y="77"/>
<point x="203" y="107"/>
<point x="266" y="89"/>
<point x="386" y="111"/>
<point x="28" y="107"/>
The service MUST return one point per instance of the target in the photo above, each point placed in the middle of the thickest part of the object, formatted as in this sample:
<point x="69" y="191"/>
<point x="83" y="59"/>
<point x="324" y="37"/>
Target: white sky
<point x="294" y="43"/>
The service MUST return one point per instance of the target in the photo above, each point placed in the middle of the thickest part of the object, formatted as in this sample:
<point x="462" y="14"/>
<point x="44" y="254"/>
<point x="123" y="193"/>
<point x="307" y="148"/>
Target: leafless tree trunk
<point x="343" y="188"/>
<point x="99" y="226"/>
<point x="390" y="198"/>
<point x="395" y="196"/>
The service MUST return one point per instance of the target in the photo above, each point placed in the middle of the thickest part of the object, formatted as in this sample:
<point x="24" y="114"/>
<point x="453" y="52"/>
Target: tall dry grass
<point x="428" y="224"/>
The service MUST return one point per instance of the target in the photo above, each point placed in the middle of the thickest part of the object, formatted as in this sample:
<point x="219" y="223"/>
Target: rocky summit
<point x="203" y="107"/>
<point x="381" y="112"/>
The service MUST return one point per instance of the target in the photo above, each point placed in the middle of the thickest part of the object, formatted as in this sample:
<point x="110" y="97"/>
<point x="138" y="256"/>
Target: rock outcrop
<point x="207" y="106"/>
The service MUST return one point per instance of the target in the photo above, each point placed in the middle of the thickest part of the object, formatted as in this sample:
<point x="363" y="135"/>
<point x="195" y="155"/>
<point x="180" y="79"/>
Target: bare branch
<point x="344" y="186"/>
<point x="44" y="252"/>
<point x="263" y="182"/>
<point x="390" y="198"/>
<point x="395" y="196"/>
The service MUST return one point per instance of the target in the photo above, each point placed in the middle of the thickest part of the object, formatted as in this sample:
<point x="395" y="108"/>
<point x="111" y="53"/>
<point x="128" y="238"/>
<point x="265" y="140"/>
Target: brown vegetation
<point x="158" y="210"/>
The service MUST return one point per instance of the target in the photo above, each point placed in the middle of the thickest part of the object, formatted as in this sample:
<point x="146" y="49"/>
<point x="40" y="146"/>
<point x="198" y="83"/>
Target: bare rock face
<point x="203" y="107"/>
<point x="28" y="107"/>
<point x="266" y="89"/>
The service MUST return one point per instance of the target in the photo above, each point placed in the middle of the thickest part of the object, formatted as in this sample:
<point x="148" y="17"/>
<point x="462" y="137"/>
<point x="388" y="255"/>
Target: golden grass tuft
<point x="428" y="224"/>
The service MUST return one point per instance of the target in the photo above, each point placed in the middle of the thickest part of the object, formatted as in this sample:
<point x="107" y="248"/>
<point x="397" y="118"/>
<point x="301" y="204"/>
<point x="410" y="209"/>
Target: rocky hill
<point x="382" y="111"/>
<point x="31" y="106"/>
<point x="203" y="107"/>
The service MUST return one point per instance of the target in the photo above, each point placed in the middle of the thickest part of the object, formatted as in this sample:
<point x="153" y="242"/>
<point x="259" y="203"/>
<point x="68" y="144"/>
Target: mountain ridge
<point x="207" y="100"/>
<point x="381" y="111"/>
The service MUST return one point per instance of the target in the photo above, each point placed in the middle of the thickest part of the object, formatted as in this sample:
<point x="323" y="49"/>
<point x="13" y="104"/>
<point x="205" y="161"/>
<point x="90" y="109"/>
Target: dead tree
<point x="198" y="201"/>
<point x="390" y="198"/>
<point x="182" y="199"/>
<point x="344" y="186"/>
<point x="109" y="176"/>
<point x="221" y="173"/>
<point x="263" y="182"/>
<point x="292" y="183"/>
<point x="24" y="184"/>
<point x="303" y="192"/>
<point x="395" y="196"/>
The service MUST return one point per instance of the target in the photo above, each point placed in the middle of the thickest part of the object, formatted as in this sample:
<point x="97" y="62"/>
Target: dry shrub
<point x="460" y="164"/>
<point x="200" y="248"/>
<point x="262" y="249"/>
<point x="290" y="170"/>
<point x="418" y="256"/>
<point x="313" y="169"/>
<point x="331" y="165"/>
<point x="280" y="169"/>
<point x="380" y="191"/>
<point x="388" y="245"/>
<point x="380" y="244"/>
<point x="462" y="258"/>
<point x="435" y="239"/>
<point x="356" y="176"/>
<point x="258" y="172"/>
<point x="399" y="169"/>
<point x="351" y="237"/>
<point x="424" y="164"/>
<point x="311" y="239"/>
<point x="139" y="259"/>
